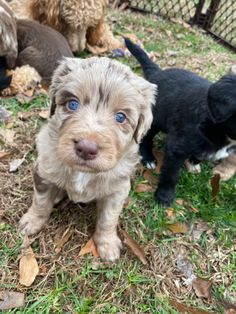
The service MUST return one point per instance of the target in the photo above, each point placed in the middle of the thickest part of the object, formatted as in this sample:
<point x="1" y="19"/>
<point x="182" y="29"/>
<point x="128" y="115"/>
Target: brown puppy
<point x="100" y="111"/>
<point x="41" y="47"/>
<point x="72" y="18"/>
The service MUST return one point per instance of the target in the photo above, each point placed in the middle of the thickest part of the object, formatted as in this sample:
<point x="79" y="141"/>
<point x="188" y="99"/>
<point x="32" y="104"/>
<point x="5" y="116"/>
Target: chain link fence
<point x="217" y="17"/>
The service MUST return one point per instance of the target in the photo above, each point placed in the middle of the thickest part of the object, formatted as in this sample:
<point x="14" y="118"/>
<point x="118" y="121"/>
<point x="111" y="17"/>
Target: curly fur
<point x="65" y="165"/>
<point x="73" y="18"/>
<point x="8" y="37"/>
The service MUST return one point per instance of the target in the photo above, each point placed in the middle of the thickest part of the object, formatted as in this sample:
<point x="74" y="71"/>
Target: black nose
<point x="86" y="149"/>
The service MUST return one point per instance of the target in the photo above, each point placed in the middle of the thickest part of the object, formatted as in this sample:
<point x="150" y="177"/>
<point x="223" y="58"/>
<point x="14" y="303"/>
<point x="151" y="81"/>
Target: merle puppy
<point x="198" y="116"/>
<point x="4" y="79"/>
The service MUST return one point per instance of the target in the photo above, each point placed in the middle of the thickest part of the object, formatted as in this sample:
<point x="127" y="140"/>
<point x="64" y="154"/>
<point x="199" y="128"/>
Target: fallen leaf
<point x="62" y="240"/>
<point x="96" y="50"/>
<point x="4" y="155"/>
<point x="186" y="205"/>
<point x="215" y="185"/>
<point x="44" y="114"/>
<point x="28" y="267"/>
<point x="202" y="288"/>
<point x="198" y="229"/>
<point x="178" y="227"/>
<point x="170" y="213"/>
<point x="182" y="308"/>
<point x="89" y="247"/>
<point x="135" y="247"/>
<point x="8" y="135"/>
<point x="23" y="99"/>
<point x="5" y="115"/>
<point x="159" y="156"/>
<point x="150" y="177"/>
<point x="185" y="266"/>
<point x="142" y="187"/>
<point x="15" y="164"/>
<point x="24" y="115"/>
<point x="11" y="300"/>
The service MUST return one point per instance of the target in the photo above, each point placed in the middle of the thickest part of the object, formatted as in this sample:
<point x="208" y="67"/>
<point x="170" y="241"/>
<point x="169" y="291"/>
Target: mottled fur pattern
<point x="8" y="36"/>
<point x="73" y="18"/>
<point x="105" y="178"/>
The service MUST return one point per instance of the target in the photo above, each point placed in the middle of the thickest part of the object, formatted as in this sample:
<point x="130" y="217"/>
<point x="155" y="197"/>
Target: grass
<point x="69" y="284"/>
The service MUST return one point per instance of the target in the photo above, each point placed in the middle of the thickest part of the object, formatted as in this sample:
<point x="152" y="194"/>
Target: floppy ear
<point x="222" y="99"/>
<point x="59" y="79"/>
<point x="148" y="94"/>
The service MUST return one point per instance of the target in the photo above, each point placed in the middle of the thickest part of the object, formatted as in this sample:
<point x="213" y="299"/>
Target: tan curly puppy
<point x="80" y="21"/>
<point x="100" y="111"/>
<point x="8" y="37"/>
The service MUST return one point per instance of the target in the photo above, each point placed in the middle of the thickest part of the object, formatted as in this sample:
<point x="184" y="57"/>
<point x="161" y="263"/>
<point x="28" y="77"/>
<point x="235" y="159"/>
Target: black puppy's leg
<point x="173" y="161"/>
<point x="148" y="159"/>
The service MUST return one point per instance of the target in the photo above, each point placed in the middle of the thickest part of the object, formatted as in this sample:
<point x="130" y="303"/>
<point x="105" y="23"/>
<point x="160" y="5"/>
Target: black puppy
<point x="198" y="116"/>
<point x="5" y="80"/>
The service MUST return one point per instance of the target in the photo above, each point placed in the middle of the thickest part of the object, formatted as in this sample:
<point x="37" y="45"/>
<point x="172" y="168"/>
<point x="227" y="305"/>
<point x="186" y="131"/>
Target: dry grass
<point x="69" y="284"/>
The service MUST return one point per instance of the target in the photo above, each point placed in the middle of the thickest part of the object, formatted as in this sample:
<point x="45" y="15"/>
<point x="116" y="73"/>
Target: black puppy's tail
<point x="147" y="64"/>
<point x="5" y="80"/>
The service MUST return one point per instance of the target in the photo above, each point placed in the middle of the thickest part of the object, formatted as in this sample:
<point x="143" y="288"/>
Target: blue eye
<point x="120" y="117"/>
<point x="73" y="105"/>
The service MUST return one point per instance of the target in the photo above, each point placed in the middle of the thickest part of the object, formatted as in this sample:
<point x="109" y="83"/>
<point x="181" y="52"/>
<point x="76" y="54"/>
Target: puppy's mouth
<point x="87" y="156"/>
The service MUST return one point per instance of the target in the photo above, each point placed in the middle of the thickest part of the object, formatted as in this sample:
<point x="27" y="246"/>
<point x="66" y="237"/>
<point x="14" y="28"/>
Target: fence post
<point x="197" y="19"/>
<point x="211" y="13"/>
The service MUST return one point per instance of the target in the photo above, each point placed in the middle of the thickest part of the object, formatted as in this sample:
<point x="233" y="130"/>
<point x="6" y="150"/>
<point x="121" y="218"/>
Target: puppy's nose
<point x="86" y="149"/>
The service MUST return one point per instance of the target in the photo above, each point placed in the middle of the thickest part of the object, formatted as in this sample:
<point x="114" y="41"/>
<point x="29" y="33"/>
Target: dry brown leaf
<point x="215" y="185"/>
<point x="8" y="135"/>
<point x="23" y="99"/>
<point x="159" y="156"/>
<point x="4" y="155"/>
<point x="89" y="247"/>
<point x="198" y="229"/>
<point x="150" y="177"/>
<point x="182" y="308"/>
<point x="202" y="288"/>
<point x="142" y="187"/>
<point x="44" y="114"/>
<point x="24" y="115"/>
<point x="11" y="300"/>
<point x="170" y="213"/>
<point x="178" y="227"/>
<point x="95" y="50"/>
<point x="28" y="267"/>
<point x="63" y="239"/>
<point x="186" y="205"/>
<point x="135" y="247"/>
<point x="15" y="164"/>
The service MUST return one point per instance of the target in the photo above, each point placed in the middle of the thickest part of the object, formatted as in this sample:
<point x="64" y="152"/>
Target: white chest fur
<point x="81" y="181"/>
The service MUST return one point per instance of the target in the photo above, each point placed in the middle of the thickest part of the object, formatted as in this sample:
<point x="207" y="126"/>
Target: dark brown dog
<point x="41" y="47"/>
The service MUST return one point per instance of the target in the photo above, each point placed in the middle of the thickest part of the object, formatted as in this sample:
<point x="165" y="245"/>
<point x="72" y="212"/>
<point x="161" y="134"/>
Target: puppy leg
<point x="106" y="238"/>
<point x="45" y="194"/>
<point x="148" y="159"/>
<point x="173" y="161"/>
<point x="77" y="39"/>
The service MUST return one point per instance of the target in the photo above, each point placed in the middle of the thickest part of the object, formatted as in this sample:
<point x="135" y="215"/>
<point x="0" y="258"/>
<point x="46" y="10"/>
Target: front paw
<point x="164" y="197"/>
<point x="31" y="224"/>
<point x="108" y="247"/>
